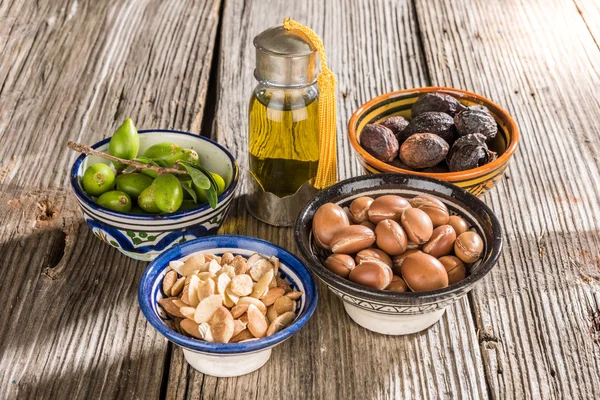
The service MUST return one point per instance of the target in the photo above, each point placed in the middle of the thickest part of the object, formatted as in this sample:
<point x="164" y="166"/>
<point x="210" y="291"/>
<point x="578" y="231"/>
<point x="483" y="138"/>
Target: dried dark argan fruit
<point x="395" y="124"/>
<point x="380" y="142"/>
<point x="423" y="150"/>
<point x="468" y="152"/>
<point x="435" y="122"/>
<point x="476" y="119"/>
<point x="439" y="102"/>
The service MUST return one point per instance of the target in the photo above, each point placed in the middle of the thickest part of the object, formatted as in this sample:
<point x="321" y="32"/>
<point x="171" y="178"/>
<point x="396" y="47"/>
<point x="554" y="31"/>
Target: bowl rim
<point x="448" y="176"/>
<point x="85" y="198"/>
<point x="227" y="241"/>
<point x="387" y="297"/>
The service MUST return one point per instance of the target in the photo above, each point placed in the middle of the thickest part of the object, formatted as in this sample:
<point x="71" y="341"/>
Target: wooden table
<point x="74" y="70"/>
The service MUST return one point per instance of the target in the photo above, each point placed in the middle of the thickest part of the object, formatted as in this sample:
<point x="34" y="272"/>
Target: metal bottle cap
<point x="285" y="58"/>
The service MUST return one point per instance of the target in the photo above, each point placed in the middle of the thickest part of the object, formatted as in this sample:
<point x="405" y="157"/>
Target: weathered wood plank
<point x="74" y="70"/>
<point x="590" y="12"/>
<point x="373" y="47"/>
<point x="536" y="312"/>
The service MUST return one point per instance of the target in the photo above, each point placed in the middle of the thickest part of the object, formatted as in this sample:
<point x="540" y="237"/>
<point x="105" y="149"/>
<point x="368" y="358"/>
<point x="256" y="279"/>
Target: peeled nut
<point x="375" y="274"/>
<point x="468" y="247"/>
<point x="369" y="225"/>
<point x="222" y="325"/>
<point x="458" y="223"/>
<point x="397" y="285"/>
<point x="359" y="209"/>
<point x="434" y="208"/>
<point x="387" y="207"/>
<point x="456" y="269"/>
<point x="399" y="259"/>
<point x="377" y="254"/>
<point x="423" y="273"/>
<point x="390" y="237"/>
<point x="441" y="242"/>
<point x="417" y="225"/>
<point x="340" y="264"/>
<point x="352" y="239"/>
<point x="329" y="219"/>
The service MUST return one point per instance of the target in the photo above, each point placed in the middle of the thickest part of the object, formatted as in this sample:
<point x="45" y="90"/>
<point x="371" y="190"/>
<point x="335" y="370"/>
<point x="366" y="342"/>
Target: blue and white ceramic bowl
<point x="143" y="237"/>
<point x="226" y="359"/>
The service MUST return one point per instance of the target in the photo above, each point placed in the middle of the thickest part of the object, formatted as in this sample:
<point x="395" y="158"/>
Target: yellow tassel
<point x="327" y="170"/>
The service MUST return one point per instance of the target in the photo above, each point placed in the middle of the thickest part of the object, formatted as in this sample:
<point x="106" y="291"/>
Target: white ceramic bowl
<point x="226" y="359"/>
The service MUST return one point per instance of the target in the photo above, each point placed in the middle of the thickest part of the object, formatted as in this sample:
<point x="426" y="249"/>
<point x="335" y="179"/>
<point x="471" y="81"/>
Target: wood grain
<point x="373" y="48"/>
<point x="75" y="70"/>
<point x="535" y="314"/>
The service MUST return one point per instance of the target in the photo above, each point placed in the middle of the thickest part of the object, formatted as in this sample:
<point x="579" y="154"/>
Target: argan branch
<point x="85" y="149"/>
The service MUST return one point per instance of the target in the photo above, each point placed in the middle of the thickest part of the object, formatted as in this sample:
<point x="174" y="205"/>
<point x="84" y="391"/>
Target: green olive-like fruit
<point x="167" y="193"/>
<point x="125" y="143"/>
<point x="97" y="179"/>
<point x="190" y="155"/>
<point x="220" y="188"/>
<point x="187" y="205"/>
<point x="146" y="201"/>
<point x="133" y="184"/>
<point x="115" y="200"/>
<point x="168" y="152"/>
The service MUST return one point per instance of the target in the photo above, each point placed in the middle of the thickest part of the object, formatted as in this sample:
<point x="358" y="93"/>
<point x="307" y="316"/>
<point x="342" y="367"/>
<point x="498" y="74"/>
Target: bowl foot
<point x="392" y="324"/>
<point x="225" y="366"/>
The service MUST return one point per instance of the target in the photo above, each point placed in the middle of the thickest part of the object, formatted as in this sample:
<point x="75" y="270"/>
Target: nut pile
<point x="442" y="136"/>
<point x="228" y="299"/>
<point x="391" y="243"/>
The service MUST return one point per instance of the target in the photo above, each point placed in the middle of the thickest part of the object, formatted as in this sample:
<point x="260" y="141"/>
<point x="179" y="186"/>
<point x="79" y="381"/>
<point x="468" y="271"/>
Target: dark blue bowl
<point x="291" y="268"/>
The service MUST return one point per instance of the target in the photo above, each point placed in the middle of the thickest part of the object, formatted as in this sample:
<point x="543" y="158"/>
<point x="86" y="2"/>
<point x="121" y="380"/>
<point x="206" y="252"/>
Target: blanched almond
<point x="205" y="289"/>
<point x="184" y="294"/>
<point x="295" y="295"/>
<point x="168" y="282"/>
<point x="257" y="303"/>
<point x="226" y="258"/>
<point x="258" y="267"/>
<point x="204" y="276"/>
<point x="275" y="262"/>
<point x="227" y="302"/>
<point x="179" y="303"/>
<point x="271" y="314"/>
<point x="241" y="285"/>
<point x="177" y="286"/>
<point x="176" y="265"/>
<point x="239" y="310"/>
<point x="232" y="296"/>
<point x="272" y="295"/>
<point x="207" y="308"/>
<point x="240" y="265"/>
<point x="281" y="322"/>
<point x="192" y="265"/>
<point x="273" y="283"/>
<point x="282" y="283"/>
<point x="222" y="282"/>
<point x="238" y="326"/>
<point x="242" y="336"/>
<point x="193" y="291"/>
<point x="187" y="312"/>
<point x="244" y="318"/>
<point x="205" y="333"/>
<point x="222" y="325"/>
<point x="191" y="328"/>
<point x="257" y="322"/>
<point x="261" y="287"/>
<point x="214" y="267"/>
<point x="229" y="270"/>
<point x="284" y="304"/>
<point x="169" y="307"/>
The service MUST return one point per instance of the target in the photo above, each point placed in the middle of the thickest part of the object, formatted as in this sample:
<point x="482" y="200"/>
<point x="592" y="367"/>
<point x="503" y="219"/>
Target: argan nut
<point x="368" y="224"/>
<point x="423" y="150"/>
<point x="417" y="225"/>
<point x="438" y="123"/>
<point x="458" y="223"/>
<point x="396" y="124"/>
<point x="399" y="259"/>
<point x="374" y="274"/>
<point x="397" y="285"/>
<point x="390" y="237"/>
<point x="368" y="254"/>
<point x="387" y="207"/>
<point x="379" y="141"/>
<point x="340" y="264"/>
<point x="437" y="211"/>
<point x="410" y="245"/>
<point x="476" y="120"/>
<point x="435" y="101"/>
<point x="359" y="209"/>
<point x="468" y="247"/>
<point x="352" y="239"/>
<point x="441" y="242"/>
<point x="455" y="267"/>
<point x="328" y="220"/>
<point x="423" y="273"/>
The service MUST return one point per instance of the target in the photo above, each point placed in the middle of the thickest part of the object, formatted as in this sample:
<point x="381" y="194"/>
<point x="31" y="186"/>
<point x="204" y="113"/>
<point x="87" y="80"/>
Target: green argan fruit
<point x="220" y="188"/>
<point x="190" y="155"/>
<point x="115" y="200"/>
<point x="146" y="201"/>
<point x="125" y="143"/>
<point x="167" y="193"/>
<point x="133" y="184"/>
<point x="97" y="179"/>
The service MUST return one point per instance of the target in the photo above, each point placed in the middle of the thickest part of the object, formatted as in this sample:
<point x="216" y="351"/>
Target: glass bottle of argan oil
<point x="283" y="137"/>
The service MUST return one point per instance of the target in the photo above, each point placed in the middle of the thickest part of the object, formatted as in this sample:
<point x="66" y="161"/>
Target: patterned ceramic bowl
<point x="478" y="180"/>
<point x="226" y="359"/>
<point x="388" y="312"/>
<point x="143" y="237"/>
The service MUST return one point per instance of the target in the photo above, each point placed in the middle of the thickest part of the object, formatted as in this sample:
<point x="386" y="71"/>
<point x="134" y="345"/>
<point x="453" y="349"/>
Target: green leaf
<point x="200" y="179"/>
<point x="187" y="186"/>
<point x="212" y="197"/>
<point x="145" y="160"/>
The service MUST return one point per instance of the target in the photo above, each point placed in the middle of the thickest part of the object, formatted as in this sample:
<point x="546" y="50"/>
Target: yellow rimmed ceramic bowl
<point x="478" y="180"/>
